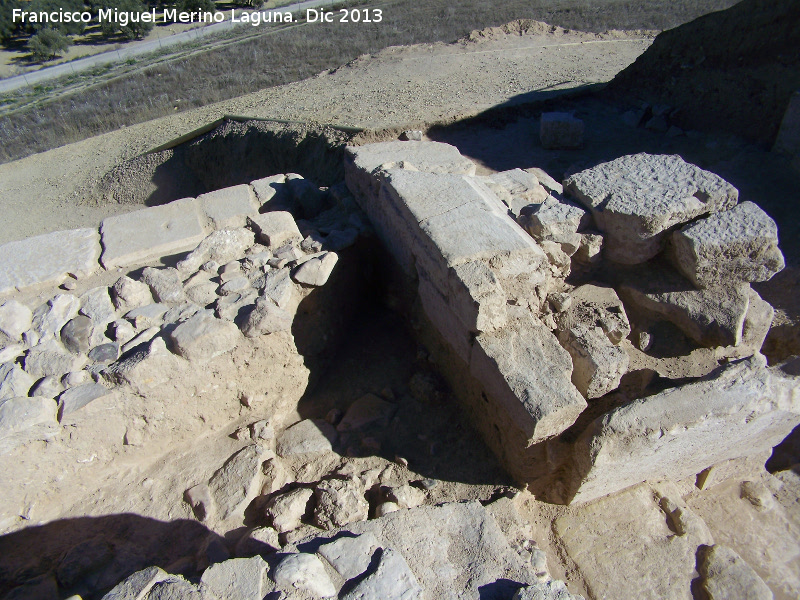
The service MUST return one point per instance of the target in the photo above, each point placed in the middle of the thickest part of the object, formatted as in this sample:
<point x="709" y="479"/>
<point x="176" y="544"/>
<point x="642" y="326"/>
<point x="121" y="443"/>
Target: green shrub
<point x="48" y="43"/>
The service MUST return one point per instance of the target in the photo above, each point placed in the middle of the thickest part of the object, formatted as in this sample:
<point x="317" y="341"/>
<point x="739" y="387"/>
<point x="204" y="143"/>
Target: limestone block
<point x="711" y="317"/>
<point x="96" y="304"/>
<point x="429" y="157"/>
<point x="265" y="318"/>
<point x="726" y="576"/>
<point x="285" y="511"/>
<point x="546" y="180"/>
<point x="316" y="271"/>
<point x="476" y="296"/>
<point x="527" y="373"/>
<point x="597" y="364"/>
<point x="278" y="287"/>
<point x="236" y="579"/>
<point x="560" y="131"/>
<point x="276" y="229"/>
<point x="48" y="259"/>
<point x="128" y="294"/>
<point x="269" y="188"/>
<point x="635" y="199"/>
<point x="228" y="207"/>
<point x="14" y="381"/>
<point x="152" y="232"/>
<point x="520" y="185"/>
<point x="441" y="315"/>
<point x="594" y="305"/>
<point x="310" y="436"/>
<point x="739" y="468"/>
<point x="555" y="219"/>
<point x="148" y="367"/>
<point x="221" y="246"/>
<point x="340" y="502"/>
<point x="365" y="411"/>
<point x="740" y="409"/>
<point x="52" y="359"/>
<point x="736" y="245"/>
<point x="648" y="559"/>
<point x="303" y="572"/>
<point x="757" y="322"/>
<point x="166" y="284"/>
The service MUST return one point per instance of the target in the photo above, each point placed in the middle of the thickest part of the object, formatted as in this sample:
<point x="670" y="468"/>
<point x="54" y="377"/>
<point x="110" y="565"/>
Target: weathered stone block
<point x="276" y="228"/>
<point x="527" y="373"/>
<point x="635" y="199"/>
<point x="151" y="232"/>
<point x="597" y="364"/>
<point x="204" y="337"/>
<point x="228" y="207"/>
<point x="736" y="245"/>
<point x="740" y="409"/>
<point x="221" y="246"/>
<point x="47" y="259"/>
<point x="560" y="131"/>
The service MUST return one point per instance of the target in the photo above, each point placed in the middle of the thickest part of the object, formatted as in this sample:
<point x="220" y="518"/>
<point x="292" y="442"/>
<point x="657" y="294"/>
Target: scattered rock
<point x="405" y="496"/>
<point x="49" y="318"/>
<point x="260" y="540"/>
<point x="276" y="228"/>
<point x="76" y="334"/>
<point x="548" y="590"/>
<point x="148" y="367"/>
<point x="367" y="410"/>
<point x="411" y="135"/>
<point x="266" y="318"/>
<point x="350" y="556"/>
<point x="51" y="359"/>
<point x="597" y="364"/>
<point x="96" y="304"/>
<point x="20" y="414"/>
<point x="199" y="498"/>
<point x="236" y="579"/>
<point x="77" y="397"/>
<point x="47" y="387"/>
<point x="128" y="294"/>
<point x="137" y="586"/>
<point x="149" y="315"/>
<point x="14" y="381"/>
<point x="15" y="319"/>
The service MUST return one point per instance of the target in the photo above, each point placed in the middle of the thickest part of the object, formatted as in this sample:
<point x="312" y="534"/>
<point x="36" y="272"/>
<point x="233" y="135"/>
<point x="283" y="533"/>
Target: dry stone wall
<point x="526" y="350"/>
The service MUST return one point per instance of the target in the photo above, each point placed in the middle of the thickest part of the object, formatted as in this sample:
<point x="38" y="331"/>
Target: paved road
<point x="139" y="48"/>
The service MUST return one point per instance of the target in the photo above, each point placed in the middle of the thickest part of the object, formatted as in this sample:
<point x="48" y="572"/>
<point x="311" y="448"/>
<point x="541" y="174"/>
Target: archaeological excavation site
<point x="550" y="351"/>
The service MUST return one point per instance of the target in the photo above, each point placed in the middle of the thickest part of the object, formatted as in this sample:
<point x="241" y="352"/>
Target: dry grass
<point x="238" y="66"/>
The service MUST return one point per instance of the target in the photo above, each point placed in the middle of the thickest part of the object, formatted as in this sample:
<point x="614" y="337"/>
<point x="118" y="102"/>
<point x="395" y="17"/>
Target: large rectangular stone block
<point x="228" y="207"/>
<point x="47" y="259"/>
<point x="430" y="157"/>
<point x="741" y="409"/>
<point x="151" y="232"/>
<point x="527" y="373"/>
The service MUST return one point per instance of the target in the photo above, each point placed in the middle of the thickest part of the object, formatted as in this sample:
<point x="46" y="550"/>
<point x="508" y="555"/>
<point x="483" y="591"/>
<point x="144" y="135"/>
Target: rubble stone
<point x="339" y="502"/>
<point x="14" y="381"/>
<point x="366" y="410"/>
<point x="285" y="511"/>
<point x="548" y="590"/>
<point x="236" y="579"/>
<point x="350" y="556"/>
<point x="317" y="270"/>
<point x="128" y="294"/>
<point x="15" y="319"/>
<point x="79" y="396"/>
<point x="266" y="318"/>
<point x="635" y="199"/>
<point x="204" y="337"/>
<point x="594" y="305"/>
<point x="20" y="414"/>
<point x="166" y="284"/>
<point x="137" y="585"/>
<point x="597" y="364"/>
<point x="222" y="246"/>
<point x="392" y="580"/>
<point x="311" y="436"/>
<point x="303" y="572"/>
<point x="76" y="334"/>
<point x="736" y="245"/>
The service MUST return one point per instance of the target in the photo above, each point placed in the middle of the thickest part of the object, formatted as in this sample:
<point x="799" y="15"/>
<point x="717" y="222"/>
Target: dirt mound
<point x="732" y="70"/>
<point x="233" y="153"/>
<point x="518" y="27"/>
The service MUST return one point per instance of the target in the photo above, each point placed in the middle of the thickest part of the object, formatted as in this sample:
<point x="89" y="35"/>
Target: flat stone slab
<point x="430" y="157"/>
<point x="635" y="199"/>
<point x="526" y="371"/>
<point x="20" y="414"/>
<point x="152" y="232"/>
<point x="276" y="228"/>
<point x="736" y="245"/>
<point x="49" y="258"/>
<point x="79" y="396"/>
<point x="228" y="207"/>
<point x="740" y="409"/>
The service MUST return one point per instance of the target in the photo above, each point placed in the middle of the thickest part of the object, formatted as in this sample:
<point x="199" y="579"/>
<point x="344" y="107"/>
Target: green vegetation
<point x="48" y="43"/>
<point x="255" y="58"/>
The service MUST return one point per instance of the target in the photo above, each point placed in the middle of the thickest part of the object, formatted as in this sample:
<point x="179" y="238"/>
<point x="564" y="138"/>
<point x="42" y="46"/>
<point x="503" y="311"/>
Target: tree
<point x="49" y="6"/>
<point x="7" y="26"/>
<point x="47" y="43"/>
<point x="196" y="5"/>
<point x="133" y="30"/>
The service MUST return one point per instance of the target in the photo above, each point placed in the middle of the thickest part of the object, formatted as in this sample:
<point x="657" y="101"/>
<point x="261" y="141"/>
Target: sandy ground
<point x="400" y="86"/>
